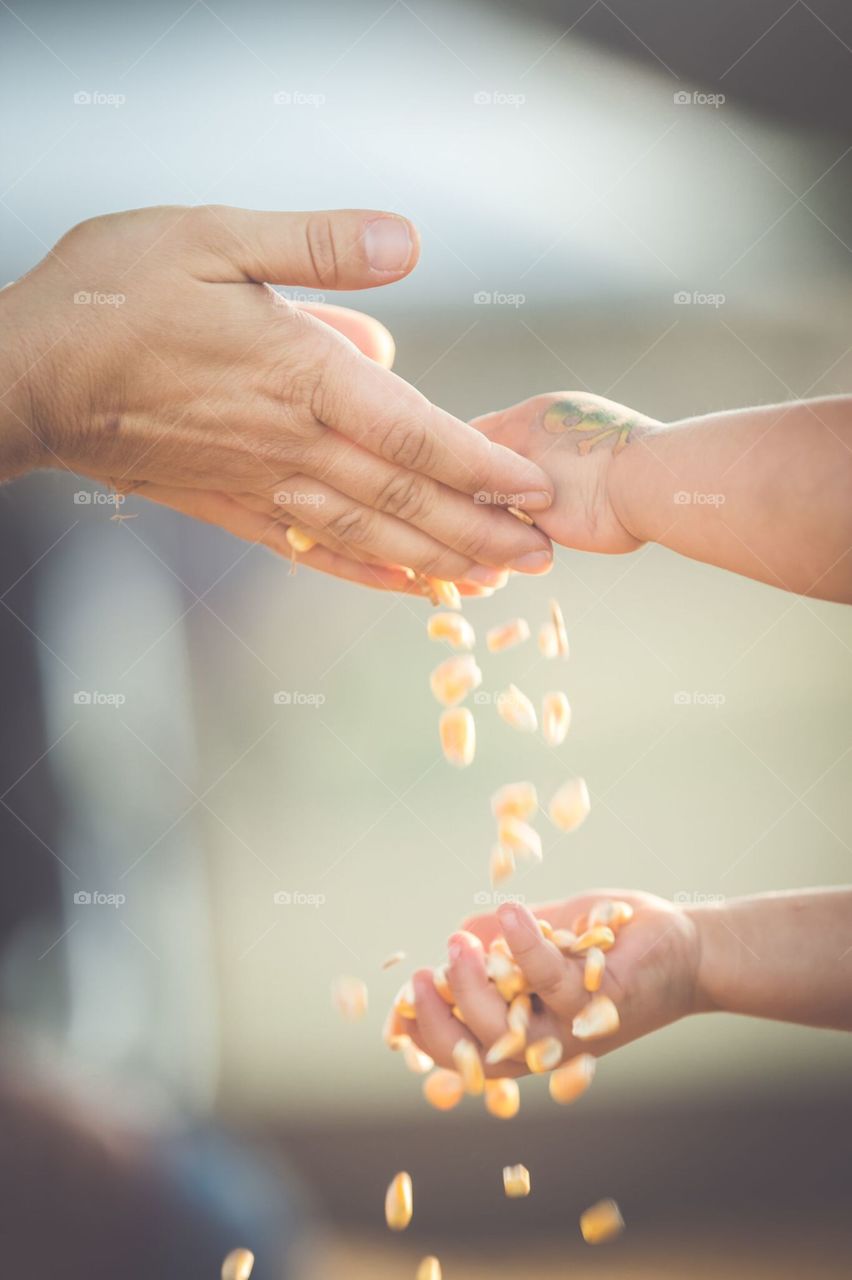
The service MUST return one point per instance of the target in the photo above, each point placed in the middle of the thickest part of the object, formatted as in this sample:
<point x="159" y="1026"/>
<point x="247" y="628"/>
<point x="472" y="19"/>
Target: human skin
<point x="183" y="377"/>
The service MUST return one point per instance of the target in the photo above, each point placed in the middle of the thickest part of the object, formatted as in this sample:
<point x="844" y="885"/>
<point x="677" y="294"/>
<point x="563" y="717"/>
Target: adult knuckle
<point x="404" y="496"/>
<point x="473" y="542"/>
<point x="408" y="444"/>
<point x="355" y="524"/>
<point x="321" y="249"/>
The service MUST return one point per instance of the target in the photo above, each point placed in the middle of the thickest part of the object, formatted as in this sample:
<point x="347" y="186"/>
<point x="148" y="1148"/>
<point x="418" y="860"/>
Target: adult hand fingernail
<point x="484" y="576"/>
<point x="388" y="244"/>
<point x="533" y="562"/>
<point x="537" y="501"/>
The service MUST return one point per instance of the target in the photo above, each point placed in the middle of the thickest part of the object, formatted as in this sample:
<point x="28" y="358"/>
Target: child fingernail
<point x="509" y="916"/>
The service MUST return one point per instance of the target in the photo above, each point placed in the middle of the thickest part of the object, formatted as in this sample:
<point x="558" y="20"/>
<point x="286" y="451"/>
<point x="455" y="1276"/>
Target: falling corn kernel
<point x="458" y="736"/>
<point x="394" y="958"/>
<point x="602" y="1222"/>
<point x="600" y="936"/>
<point x="569" y="808"/>
<point x="517" y="710"/>
<point x="516" y="1181"/>
<point x="418" y="1062"/>
<point x="509" y="1045"/>
<point x="567" y="1082"/>
<point x="548" y="645"/>
<point x="545" y="928"/>
<point x="349" y="996"/>
<point x="564" y="939"/>
<point x="501" y="865"/>
<point x="299" y="540"/>
<point x="515" y="800"/>
<point x="543" y="1055"/>
<point x="458" y="1015"/>
<point x="443" y="1089"/>
<point x="454" y="678"/>
<point x="442" y="984"/>
<point x="599" y="1018"/>
<point x="238" y="1265"/>
<point x="520" y="515"/>
<point x="502" y="1098"/>
<point x="555" y="718"/>
<point x="397" y="1041"/>
<point x="404" y="1004"/>
<point x="594" y="969"/>
<point x="520" y="838"/>
<point x="469" y="1066"/>
<point x="399" y="1204"/>
<point x="445" y="593"/>
<point x="507" y="635"/>
<point x="559" y="628"/>
<point x="452" y="629"/>
<point x="520" y="1012"/>
<point x="429" y="1269"/>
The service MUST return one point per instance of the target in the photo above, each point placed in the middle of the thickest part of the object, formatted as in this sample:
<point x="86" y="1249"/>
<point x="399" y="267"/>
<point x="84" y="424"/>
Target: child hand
<point x="577" y="439"/>
<point x="650" y="975"/>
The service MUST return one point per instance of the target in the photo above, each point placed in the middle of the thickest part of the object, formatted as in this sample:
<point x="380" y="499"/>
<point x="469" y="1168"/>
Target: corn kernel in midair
<point x="502" y="1098"/>
<point x="429" y="1269"/>
<point x="555" y="718"/>
<point x="443" y="1089"/>
<point x="559" y="628"/>
<point x="520" y="1012"/>
<point x="399" y="1202"/>
<point x="454" y="678"/>
<point x="442" y="984"/>
<point x="600" y="936"/>
<point x="520" y="838"/>
<point x="515" y="800"/>
<point x="506" y="1046"/>
<point x="445" y="593"/>
<point x="418" y="1062"/>
<point x="598" y="1018"/>
<point x="572" y="1079"/>
<point x="349" y="996"/>
<point x="299" y="540"/>
<point x="469" y="1066"/>
<point x="543" y="1055"/>
<point x="458" y="736"/>
<point x="404" y="1004"/>
<point x="394" y="958"/>
<point x="517" y="710"/>
<point x="547" y="643"/>
<point x="516" y="1181"/>
<point x="602" y="1222"/>
<point x="452" y="629"/>
<point x="570" y="806"/>
<point x="594" y="969"/>
<point x="507" y="635"/>
<point x="238" y="1265"/>
<point x="501" y="865"/>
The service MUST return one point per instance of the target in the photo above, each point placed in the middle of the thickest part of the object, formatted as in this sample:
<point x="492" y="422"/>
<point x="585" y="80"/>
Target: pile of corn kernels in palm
<point x="514" y="807"/>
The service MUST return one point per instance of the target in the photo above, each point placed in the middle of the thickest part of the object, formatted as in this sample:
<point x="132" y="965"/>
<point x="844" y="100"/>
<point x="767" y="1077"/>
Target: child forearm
<point x="786" y="956"/>
<point x="766" y="492"/>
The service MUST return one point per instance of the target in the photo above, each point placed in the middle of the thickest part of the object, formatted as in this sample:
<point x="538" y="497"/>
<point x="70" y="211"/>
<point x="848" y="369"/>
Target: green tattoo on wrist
<point x="594" y="426"/>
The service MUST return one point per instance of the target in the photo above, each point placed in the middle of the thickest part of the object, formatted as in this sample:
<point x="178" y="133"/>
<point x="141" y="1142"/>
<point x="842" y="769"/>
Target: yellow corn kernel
<point x="569" y="808"/>
<point x="404" y="1003"/>
<point x="508" y="1045"/>
<point x="602" y="1222"/>
<point x="498" y="946"/>
<point x="567" y="1082"/>
<point x="559" y="628"/>
<point x="520" y="515"/>
<point x="469" y="1066"/>
<point x="594" y="970"/>
<point x="429" y="1269"/>
<point x="520" y="1012"/>
<point x="548" y="644"/>
<point x="418" y="1062"/>
<point x="623" y="914"/>
<point x="502" y="1098"/>
<point x="399" y="1203"/>
<point x="513" y="984"/>
<point x="458" y="1015"/>
<point x="238" y="1265"/>
<point x="454" y="678"/>
<point x="555" y="718"/>
<point x="520" y="838"/>
<point x="394" y="958"/>
<point x="442" y="984"/>
<point x="599" y="1018"/>
<point x="453" y="629"/>
<point x="443" y="592"/>
<point x="396" y="1041"/>
<point x="580" y="924"/>
<point x="515" y="800"/>
<point x="543" y="1055"/>
<point x="564" y="939"/>
<point x="443" y="1089"/>
<point x="349" y="996"/>
<point x="600" y="936"/>
<point x="517" y="710"/>
<point x="507" y="635"/>
<point x="516" y="1181"/>
<point x="545" y="928"/>
<point x="458" y="736"/>
<point x="501" y="865"/>
<point x="299" y="540"/>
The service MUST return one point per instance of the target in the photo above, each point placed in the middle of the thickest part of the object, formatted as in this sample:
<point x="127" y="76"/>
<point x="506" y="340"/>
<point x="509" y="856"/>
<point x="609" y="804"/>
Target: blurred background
<point x="650" y="201"/>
